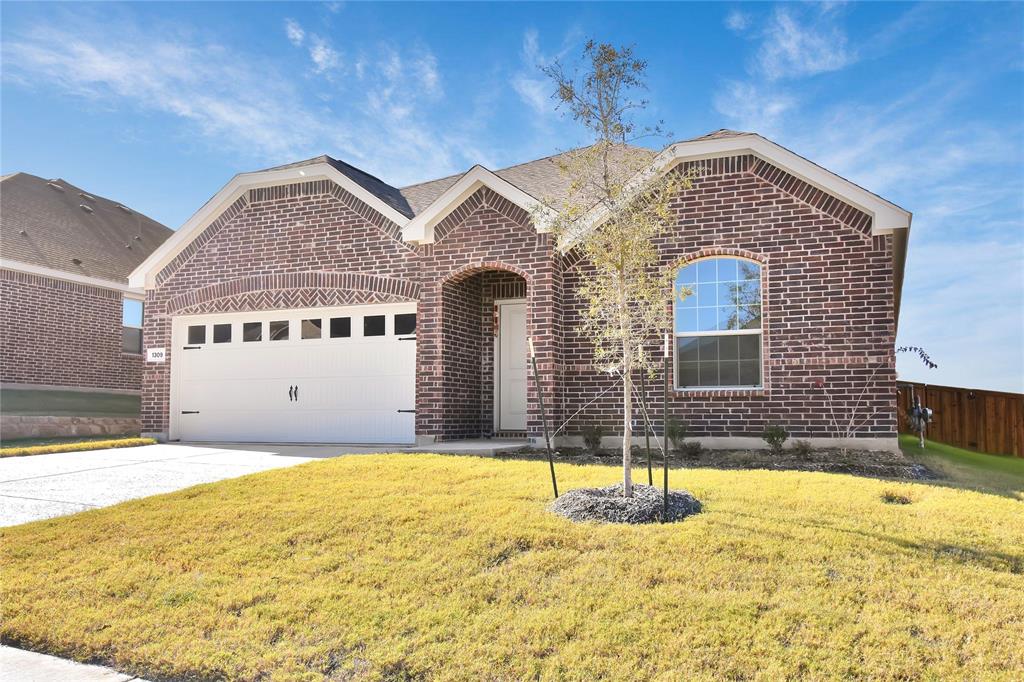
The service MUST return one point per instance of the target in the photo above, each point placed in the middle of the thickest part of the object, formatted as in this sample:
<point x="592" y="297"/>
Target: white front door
<point x="511" y="366"/>
<point x="327" y="375"/>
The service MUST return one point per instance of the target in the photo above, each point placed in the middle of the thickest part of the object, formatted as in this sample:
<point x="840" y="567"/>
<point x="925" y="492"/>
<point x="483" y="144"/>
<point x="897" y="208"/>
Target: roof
<point x="372" y="184"/>
<point x="43" y="223"/>
<point x="540" y="178"/>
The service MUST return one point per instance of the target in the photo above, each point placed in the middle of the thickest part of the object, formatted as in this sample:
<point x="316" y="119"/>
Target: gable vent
<point x="86" y="208"/>
<point x="55" y="186"/>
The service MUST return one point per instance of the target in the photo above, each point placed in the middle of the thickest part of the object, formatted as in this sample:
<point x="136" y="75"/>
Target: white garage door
<point x="325" y="375"/>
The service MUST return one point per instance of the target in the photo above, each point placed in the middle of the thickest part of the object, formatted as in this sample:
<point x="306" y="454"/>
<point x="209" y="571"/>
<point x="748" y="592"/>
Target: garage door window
<point x="222" y="333"/>
<point x="341" y="327"/>
<point x="252" y="331"/>
<point x="311" y="329"/>
<point x="197" y="333"/>
<point x="279" y="330"/>
<point x="373" y="325"/>
<point x="405" y="323"/>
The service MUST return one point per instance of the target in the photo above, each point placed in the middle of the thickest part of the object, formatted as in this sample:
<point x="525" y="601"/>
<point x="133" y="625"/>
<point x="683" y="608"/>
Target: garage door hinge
<point x="191" y="347"/>
<point x="190" y="411"/>
<point x="412" y="411"/>
<point x="406" y="338"/>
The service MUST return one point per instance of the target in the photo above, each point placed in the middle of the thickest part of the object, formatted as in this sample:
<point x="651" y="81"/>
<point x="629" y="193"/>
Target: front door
<point x="511" y="366"/>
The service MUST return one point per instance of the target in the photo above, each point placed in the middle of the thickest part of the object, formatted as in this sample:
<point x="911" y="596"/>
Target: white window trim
<point x="724" y="332"/>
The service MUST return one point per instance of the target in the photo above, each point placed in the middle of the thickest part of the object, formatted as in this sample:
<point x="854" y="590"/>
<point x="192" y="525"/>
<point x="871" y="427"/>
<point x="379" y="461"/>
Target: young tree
<point x="612" y="213"/>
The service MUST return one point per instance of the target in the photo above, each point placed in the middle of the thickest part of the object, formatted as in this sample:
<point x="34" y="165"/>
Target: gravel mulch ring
<point x="608" y="505"/>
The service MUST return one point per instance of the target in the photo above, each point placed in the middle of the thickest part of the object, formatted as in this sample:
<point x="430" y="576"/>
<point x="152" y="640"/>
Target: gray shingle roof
<point x="42" y="223"/>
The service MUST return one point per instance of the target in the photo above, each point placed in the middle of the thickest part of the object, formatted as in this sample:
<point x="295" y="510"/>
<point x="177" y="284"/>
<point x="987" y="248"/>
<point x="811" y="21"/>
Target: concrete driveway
<point x="43" y="486"/>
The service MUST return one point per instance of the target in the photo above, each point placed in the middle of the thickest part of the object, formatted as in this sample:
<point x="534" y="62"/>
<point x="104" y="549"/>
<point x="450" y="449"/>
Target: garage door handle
<point x="411" y="411"/>
<point x="296" y="394"/>
<point x="291" y="393"/>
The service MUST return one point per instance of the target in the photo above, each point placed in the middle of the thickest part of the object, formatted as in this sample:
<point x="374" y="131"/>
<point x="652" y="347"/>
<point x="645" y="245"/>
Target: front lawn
<point x="436" y="567"/>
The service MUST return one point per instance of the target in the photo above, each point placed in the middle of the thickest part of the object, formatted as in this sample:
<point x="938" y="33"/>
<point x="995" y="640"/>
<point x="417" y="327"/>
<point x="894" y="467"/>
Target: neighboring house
<point x="314" y="302"/>
<point x="70" y="326"/>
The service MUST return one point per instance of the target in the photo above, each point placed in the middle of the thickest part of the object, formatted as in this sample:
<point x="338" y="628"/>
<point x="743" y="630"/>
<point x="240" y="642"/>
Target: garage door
<point x="335" y="375"/>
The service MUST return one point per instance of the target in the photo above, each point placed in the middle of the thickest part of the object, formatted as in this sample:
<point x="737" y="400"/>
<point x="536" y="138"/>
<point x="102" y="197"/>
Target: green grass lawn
<point x="975" y="470"/>
<point x="436" y="567"/>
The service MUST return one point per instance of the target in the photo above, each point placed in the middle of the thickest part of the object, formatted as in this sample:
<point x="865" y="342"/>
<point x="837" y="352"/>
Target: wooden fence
<point x="986" y="421"/>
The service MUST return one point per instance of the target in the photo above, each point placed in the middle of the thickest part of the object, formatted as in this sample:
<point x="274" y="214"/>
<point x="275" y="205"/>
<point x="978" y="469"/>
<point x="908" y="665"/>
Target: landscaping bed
<point x="877" y="464"/>
<point x="430" y="567"/>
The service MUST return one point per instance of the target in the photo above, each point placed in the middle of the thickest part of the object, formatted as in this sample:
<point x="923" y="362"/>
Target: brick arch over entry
<point x="294" y="290"/>
<point x="471" y="269"/>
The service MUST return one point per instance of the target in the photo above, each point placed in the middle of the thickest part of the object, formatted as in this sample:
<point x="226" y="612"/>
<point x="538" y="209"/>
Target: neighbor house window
<point x="718" y="324"/>
<point x="131" y="329"/>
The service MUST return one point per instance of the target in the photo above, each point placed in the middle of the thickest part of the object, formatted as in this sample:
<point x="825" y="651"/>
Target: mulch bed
<point x="608" y="505"/>
<point x="876" y="464"/>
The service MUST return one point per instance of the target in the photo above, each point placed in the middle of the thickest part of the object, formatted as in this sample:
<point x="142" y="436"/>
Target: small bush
<point x="691" y="450"/>
<point x="893" y="497"/>
<point x="776" y="436"/>
<point x="676" y="430"/>
<point x="592" y="435"/>
<point x="802" y="449"/>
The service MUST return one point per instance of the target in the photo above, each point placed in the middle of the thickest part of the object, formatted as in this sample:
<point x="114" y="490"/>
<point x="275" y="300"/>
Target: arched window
<point x="718" y="324"/>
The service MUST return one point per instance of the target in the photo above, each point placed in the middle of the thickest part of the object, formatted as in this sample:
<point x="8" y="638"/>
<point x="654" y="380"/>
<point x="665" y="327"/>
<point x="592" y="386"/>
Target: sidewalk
<point x="27" y="666"/>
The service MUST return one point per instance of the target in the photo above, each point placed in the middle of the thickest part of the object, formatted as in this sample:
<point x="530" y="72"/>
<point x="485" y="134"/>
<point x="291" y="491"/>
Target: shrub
<point x="776" y="436"/>
<point x="893" y="497"/>
<point x="802" y="449"/>
<point x="676" y="430"/>
<point x="592" y="435"/>
<point x="691" y="450"/>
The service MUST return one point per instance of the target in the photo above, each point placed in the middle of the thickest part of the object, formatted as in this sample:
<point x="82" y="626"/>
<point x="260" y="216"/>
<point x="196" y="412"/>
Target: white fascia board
<point x="28" y="268"/>
<point x="420" y="230"/>
<point x="145" y="275"/>
<point x="885" y="216"/>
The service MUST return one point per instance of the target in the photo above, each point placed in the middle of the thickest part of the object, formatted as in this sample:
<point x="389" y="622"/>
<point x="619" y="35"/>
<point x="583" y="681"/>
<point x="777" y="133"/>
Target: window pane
<point x="727" y="269"/>
<point x="708" y="373"/>
<point x="686" y="320"/>
<point x="750" y="271"/>
<point x="222" y="333"/>
<point x="687" y="275"/>
<point x="131" y="313"/>
<point x="750" y="346"/>
<point x="279" y="330"/>
<point x="405" y="323"/>
<point x="750" y="373"/>
<point x="373" y="325"/>
<point x="750" y="317"/>
<point x="707" y="348"/>
<point x="131" y="339"/>
<point x="197" y="333"/>
<point x="728" y="317"/>
<point x="707" y="270"/>
<point x="687" y="375"/>
<point x="341" y="327"/>
<point x="686" y="349"/>
<point x="707" y="295"/>
<point x="252" y="331"/>
<point x="311" y="329"/>
<point x="729" y="347"/>
<point x="707" y="319"/>
<point x="729" y="374"/>
<point x="689" y="300"/>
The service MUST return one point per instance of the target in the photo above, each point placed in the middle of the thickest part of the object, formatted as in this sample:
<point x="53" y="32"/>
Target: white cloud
<point x="324" y="57"/>
<point x="794" y="48"/>
<point x="737" y="21"/>
<point x="529" y="82"/>
<point x="752" y="107"/>
<point x="294" y="31"/>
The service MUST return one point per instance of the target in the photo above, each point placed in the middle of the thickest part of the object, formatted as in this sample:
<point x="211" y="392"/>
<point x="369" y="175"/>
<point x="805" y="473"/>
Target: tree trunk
<point x="627" y="419"/>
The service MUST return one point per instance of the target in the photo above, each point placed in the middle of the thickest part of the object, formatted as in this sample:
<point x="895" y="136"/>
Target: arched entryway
<point x="484" y="324"/>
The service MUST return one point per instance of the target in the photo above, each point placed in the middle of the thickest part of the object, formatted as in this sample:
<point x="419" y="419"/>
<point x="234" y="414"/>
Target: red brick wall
<point x="827" y="286"/>
<point x="62" y="334"/>
<point x="828" y="310"/>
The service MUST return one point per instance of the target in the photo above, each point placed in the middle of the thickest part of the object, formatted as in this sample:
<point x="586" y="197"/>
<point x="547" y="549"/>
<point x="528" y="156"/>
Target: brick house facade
<point x="321" y="235"/>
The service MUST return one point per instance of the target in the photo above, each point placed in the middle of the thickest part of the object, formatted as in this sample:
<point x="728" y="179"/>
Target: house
<point x="70" y="326"/>
<point x="316" y="303"/>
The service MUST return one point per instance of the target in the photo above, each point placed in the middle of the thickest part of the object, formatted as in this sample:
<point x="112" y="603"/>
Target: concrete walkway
<point x="44" y="486"/>
<point x="27" y="666"/>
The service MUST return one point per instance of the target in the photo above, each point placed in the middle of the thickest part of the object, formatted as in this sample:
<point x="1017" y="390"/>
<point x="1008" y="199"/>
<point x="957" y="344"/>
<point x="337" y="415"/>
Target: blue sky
<point x="158" y="105"/>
